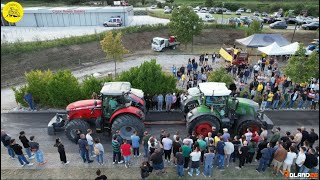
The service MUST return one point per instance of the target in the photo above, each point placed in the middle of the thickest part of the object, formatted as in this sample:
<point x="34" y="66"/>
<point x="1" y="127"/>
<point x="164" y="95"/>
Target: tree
<point x="301" y="68"/>
<point x="112" y="46"/>
<point x="169" y="1"/>
<point x="150" y="78"/>
<point x="185" y="23"/>
<point x="209" y="3"/>
<point x="254" y="28"/>
<point x="220" y="75"/>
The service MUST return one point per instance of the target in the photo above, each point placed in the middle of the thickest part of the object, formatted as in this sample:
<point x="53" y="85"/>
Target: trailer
<point x="233" y="55"/>
<point x="159" y="43"/>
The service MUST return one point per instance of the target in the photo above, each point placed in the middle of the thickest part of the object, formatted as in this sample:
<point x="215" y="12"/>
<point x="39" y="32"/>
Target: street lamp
<point x="294" y="31"/>
<point x="194" y="28"/>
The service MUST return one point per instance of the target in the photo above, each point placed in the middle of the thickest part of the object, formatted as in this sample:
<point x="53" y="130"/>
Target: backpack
<point x="96" y="150"/>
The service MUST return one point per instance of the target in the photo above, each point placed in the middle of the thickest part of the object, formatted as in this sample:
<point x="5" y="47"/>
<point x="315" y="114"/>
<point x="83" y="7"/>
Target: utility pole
<point x="295" y="28"/>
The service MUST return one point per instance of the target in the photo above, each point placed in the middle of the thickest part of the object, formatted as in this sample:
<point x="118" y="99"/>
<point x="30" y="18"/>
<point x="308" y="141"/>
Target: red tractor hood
<point x="83" y="104"/>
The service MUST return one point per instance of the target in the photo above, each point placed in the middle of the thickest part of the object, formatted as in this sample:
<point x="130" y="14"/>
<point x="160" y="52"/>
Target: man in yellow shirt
<point x="269" y="100"/>
<point x="217" y="139"/>
<point x="260" y="87"/>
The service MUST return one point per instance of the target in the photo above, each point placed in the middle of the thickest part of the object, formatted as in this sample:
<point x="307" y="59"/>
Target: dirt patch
<point x="74" y="57"/>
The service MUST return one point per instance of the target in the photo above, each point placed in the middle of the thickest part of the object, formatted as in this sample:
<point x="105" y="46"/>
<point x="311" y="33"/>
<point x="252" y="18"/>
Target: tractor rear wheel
<point x="254" y="125"/>
<point x="126" y="124"/>
<point x="73" y="126"/>
<point x="203" y="124"/>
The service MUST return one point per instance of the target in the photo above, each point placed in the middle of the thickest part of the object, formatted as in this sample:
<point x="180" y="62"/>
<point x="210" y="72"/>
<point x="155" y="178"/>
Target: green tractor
<point x="215" y="107"/>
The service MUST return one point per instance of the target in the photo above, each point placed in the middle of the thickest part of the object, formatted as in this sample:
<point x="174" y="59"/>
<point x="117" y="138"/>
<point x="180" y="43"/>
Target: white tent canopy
<point x="273" y="50"/>
<point x="291" y="48"/>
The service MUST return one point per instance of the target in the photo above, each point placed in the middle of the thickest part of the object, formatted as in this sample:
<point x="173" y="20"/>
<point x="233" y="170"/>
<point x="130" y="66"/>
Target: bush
<point x="254" y="27"/>
<point x="159" y="5"/>
<point x="19" y="94"/>
<point x="150" y="78"/>
<point x="92" y="84"/>
<point x="220" y="75"/>
<point x="63" y="88"/>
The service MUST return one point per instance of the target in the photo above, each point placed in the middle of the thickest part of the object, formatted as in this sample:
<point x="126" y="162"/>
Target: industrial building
<point x="71" y="16"/>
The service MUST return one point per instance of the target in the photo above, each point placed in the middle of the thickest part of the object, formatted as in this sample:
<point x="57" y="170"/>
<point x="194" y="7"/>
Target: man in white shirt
<point x="256" y="68"/>
<point x="167" y="147"/>
<point x="300" y="159"/>
<point x="264" y="133"/>
<point x="291" y="155"/>
<point x="228" y="150"/>
<point x="207" y="139"/>
<point x="248" y="135"/>
<point x="298" y="137"/>
<point x="90" y="142"/>
<point x="189" y="140"/>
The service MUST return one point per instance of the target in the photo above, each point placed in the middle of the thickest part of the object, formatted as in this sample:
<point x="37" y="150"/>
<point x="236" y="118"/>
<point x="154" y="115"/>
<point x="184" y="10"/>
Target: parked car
<point x="167" y="11"/>
<point x="113" y="22"/>
<point x="291" y="20"/>
<point x="206" y="17"/>
<point x="195" y="10"/>
<point x="311" y="26"/>
<point x="241" y="10"/>
<point x="248" y="11"/>
<point x="219" y="11"/>
<point x="264" y="14"/>
<point x="235" y="20"/>
<point x="257" y="18"/>
<point x="256" y="13"/>
<point x="203" y="10"/>
<point x="153" y="7"/>
<point x="212" y="10"/>
<point x="278" y="25"/>
<point x="238" y="12"/>
<point x="270" y="20"/>
<point x="246" y="20"/>
<point x="228" y="12"/>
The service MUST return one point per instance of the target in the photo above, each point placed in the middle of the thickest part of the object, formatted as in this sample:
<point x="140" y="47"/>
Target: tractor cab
<point x="114" y="96"/>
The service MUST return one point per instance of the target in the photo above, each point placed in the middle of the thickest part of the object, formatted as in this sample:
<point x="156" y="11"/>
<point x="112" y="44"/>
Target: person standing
<point x="144" y="170"/>
<point x="289" y="159"/>
<point x="100" y="177"/>
<point x="167" y="146"/>
<point x="175" y="148"/>
<point x="84" y="148"/>
<point x="29" y="99"/>
<point x="248" y="134"/>
<point x="61" y="151"/>
<point x="195" y="161"/>
<point x="279" y="156"/>
<point x="300" y="159"/>
<point x="174" y="70"/>
<point x="90" y="142"/>
<point x="275" y="137"/>
<point x="310" y="163"/>
<point x="252" y="149"/>
<point x="179" y="162"/>
<point x="135" y="140"/>
<point x="25" y="142"/>
<point x="36" y="149"/>
<point x="293" y="98"/>
<point x="225" y="135"/>
<point x="229" y="149"/>
<point x="186" y="150"/>
<point x="5" y="139"/>
<point x="18" y="151"/>
<point x="313" y="137"/>
<point x="220" y="154"/>
<point x="157" y="160"/>
<point x="208" y="138"/>
<point x="243" y="152"/>
<point x="208" y="162"/>
<point x="284" y="99"/>
<point x="116" y="150"/>
<point x="305" y="135"/>
<point x="99" y="151"/>
<point x="144" y="142"/>
<point x="202" y="146"/>
<point x="236" y="144"/>
<point x="263" y="144"/>
<point x="155" y="102"/>
<point x="297" y="137"/>
<point x="126" y="152"/>
<point x="160" y="102"/>
<point x="148" y="102"/>
<point x="266" y="154"/>
<point x="168" y="100"/>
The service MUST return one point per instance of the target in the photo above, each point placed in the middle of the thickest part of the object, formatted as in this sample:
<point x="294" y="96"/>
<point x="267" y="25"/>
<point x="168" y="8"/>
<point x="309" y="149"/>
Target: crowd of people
<point x="293" y="152"/>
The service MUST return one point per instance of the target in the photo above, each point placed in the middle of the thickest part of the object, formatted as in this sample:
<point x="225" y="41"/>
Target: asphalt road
<point x="36" y="124"/>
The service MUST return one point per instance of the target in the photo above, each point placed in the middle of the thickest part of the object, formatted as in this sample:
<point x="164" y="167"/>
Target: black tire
<point x="105" y="25"/>
<point x="206" y="121"/>
<point x="127" y="123"/>
<point x="242" y="127"/>
<point x="73" y="125"/>
<point x="190" y="105"/>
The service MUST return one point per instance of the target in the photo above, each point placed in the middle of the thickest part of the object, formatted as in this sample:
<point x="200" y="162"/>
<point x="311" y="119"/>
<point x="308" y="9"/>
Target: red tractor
<point x="116" y="109"/>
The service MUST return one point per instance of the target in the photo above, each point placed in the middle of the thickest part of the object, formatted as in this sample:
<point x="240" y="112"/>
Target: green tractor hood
<point x="246" y="107"/>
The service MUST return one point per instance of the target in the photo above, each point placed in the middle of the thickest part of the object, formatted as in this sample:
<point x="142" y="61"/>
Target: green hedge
<point x="62" y="88"/>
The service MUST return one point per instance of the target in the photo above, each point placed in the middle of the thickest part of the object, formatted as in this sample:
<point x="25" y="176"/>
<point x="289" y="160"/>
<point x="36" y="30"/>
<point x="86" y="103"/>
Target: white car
<point x="167" y="11"/>
<point x="203" y="10"/>
<point x="241" y="10"/>
<point x="228" y="12"/>
<point x="153" y="7"/>
<point x="238" y="12"/>
<point x="195" y="10"/>
<point x="248" y="11"/>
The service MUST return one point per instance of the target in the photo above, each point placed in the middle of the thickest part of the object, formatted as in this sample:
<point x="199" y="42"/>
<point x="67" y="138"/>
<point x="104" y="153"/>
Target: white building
<point x="70" y="16"/>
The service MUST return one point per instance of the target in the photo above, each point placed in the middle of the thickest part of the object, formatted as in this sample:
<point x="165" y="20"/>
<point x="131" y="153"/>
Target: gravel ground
<point x="24" y="34"/>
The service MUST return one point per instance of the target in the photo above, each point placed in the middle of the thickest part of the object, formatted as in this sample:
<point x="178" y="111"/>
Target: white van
<point x="206" y="17"/>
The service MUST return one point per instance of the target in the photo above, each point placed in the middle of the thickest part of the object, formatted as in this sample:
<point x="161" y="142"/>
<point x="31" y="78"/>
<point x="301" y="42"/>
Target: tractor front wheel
<point x="254" y="125"/>
<point x="127" y="124"/>
<point x="73" y="126"/>
<point x="203" y="124"/>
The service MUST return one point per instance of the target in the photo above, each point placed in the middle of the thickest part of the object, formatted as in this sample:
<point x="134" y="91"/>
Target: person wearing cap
<point x="225" y="135"/>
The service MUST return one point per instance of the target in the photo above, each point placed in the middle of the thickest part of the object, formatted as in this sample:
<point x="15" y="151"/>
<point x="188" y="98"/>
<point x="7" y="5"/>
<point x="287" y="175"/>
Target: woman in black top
<point x="61" y="151"/>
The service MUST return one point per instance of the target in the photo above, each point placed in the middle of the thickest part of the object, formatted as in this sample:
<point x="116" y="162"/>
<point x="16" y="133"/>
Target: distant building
<point x="70" y="16"/>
